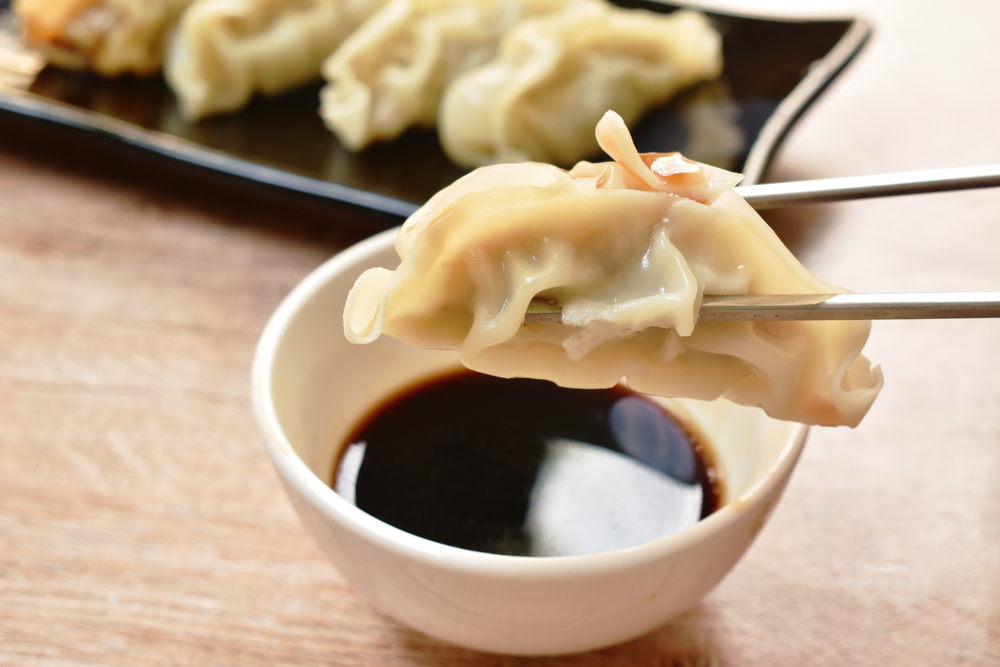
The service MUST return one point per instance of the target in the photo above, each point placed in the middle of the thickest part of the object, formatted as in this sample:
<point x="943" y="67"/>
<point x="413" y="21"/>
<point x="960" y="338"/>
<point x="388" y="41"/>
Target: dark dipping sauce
<point x="527" y="468"/>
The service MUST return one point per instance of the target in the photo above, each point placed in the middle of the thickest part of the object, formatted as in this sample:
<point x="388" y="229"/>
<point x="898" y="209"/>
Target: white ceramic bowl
<point x="310" y="386"/>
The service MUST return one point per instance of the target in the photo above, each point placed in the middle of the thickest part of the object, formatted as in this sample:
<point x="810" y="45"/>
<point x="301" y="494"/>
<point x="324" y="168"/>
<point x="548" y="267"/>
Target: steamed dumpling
<point x="556" y="75"/>
<point x="110" y="37"/>
<point x="390" y="74"/>
<point x="628" y="247"/>
<point x="226" y="50"/>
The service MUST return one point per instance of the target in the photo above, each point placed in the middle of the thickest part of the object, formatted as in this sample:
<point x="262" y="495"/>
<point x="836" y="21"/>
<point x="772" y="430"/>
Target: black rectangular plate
<point x="774" y="69"/>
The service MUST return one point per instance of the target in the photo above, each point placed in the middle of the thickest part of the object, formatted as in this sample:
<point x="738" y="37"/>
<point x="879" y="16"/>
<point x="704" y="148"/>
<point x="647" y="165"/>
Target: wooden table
<point x="141" y="522"/>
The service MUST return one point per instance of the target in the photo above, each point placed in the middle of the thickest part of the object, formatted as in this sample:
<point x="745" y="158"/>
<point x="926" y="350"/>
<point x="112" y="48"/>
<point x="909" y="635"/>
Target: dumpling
<point x="390" y="74"/>
<point x="110" y="37"/>
<point x="629" y="248"/>
<point x="556" y="75"/>
<point x="225" y="50"/>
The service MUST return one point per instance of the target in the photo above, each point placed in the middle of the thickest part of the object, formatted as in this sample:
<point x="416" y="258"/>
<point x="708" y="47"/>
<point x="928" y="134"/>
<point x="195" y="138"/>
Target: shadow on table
<point x="686" y="641"/>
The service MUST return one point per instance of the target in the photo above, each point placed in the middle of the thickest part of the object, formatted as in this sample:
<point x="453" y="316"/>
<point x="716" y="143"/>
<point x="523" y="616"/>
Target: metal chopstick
<point x="774" y="195"/>
<point x="787" y="307"/>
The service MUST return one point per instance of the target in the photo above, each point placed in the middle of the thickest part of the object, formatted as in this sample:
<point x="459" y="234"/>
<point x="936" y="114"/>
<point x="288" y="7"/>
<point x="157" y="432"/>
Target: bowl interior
<point x="320" y="385"/>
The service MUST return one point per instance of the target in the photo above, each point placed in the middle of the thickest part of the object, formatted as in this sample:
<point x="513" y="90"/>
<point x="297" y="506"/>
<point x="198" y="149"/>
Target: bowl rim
<point x="296" y="473"/>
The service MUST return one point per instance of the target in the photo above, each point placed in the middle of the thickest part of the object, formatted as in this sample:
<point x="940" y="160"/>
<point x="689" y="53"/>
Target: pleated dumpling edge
<point x="629" y="248"/>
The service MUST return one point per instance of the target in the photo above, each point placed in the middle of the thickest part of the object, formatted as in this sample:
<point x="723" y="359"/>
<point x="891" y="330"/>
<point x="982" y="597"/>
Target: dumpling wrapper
<point x="628" y="247"/>
<point x="226" y="50"/>
<point x="110" y="37"/>
<point x="556" y="75"/>
<point x="390" y="74"/>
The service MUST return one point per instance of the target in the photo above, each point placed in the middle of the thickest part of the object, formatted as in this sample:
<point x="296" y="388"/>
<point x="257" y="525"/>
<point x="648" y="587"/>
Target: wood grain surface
<point x="141" y="522"/>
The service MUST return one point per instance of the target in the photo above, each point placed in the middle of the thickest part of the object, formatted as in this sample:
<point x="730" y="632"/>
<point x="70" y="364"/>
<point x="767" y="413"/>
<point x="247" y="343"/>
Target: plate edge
<point x="821" y="74"/>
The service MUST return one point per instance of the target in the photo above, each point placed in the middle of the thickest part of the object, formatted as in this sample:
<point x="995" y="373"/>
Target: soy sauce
<point x="524" y="467"/>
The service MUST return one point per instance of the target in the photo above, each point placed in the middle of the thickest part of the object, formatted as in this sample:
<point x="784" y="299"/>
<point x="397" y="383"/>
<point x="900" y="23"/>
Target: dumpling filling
<point x="629" y="247"/>
<point x="110" y="37"/>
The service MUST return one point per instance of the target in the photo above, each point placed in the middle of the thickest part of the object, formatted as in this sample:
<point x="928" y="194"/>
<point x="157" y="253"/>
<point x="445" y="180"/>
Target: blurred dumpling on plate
<point x="110" y="37"/>
<point x="226" y="50"/>
<point x="390" y="74"/>
<point x="556" y="75"/>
